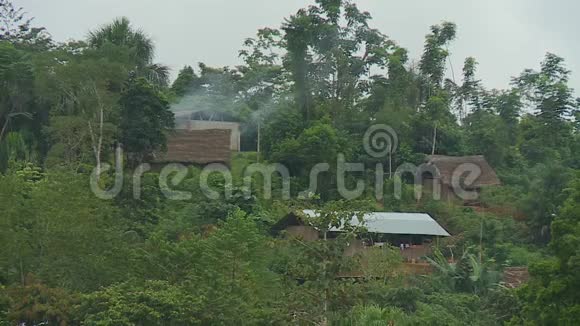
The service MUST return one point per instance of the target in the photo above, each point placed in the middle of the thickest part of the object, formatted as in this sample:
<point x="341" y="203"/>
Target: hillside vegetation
<point x="306" y="93"/>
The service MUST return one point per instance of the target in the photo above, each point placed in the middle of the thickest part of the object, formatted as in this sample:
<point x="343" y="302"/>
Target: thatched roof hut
<point x="447" y="165"/>
<point x="197" y="147"/>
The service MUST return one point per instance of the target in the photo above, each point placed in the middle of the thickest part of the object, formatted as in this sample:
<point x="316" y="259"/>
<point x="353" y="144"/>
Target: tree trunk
<point x="325" y="304"/>
<point x="97" y="140"/>
<point x="4" y="127"/>
<point x="434" y="139"/>
<point x="259" y="140"/>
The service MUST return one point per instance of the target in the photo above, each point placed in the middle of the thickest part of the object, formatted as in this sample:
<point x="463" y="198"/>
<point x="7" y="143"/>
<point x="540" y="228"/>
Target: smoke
<point x="215" y="93"/>
<point x="220" y="97"/>
<point x="202" y="101"/>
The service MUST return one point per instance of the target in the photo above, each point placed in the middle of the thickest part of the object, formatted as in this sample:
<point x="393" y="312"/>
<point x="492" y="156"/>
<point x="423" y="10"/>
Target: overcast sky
<point x="505" y="36"/>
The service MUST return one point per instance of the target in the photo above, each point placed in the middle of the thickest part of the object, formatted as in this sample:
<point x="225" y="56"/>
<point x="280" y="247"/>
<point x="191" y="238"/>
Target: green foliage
<point x="16" y="86"/>
<point x="149" y="303"/>
<point x="76" y="245"/>
<point x="142" y="49"/>
<point x="17" y="28"/>
<point x="306" y="93"/>
<point x="376" y="316"/>
<point x="383" y="262"/>
<point x="186" y="81"/>
<point x="466" y="273"/>
<point x="545" y="196"/>
<point x="145" y="119"/>
<point x="432" y="64"/>
<point x="36" y="303"/>
<point x="550" y="296"/>
<point x="489" y="136"/>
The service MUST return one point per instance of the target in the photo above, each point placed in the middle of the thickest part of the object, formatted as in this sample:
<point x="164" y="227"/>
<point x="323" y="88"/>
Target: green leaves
<point x="145" y="303"/>
<point x="550" y="296"/>
<point x="56" y="229"/>
<point x="145" y="119"/>
<point x="548" y="92"/>
<point x="432" y="64"/>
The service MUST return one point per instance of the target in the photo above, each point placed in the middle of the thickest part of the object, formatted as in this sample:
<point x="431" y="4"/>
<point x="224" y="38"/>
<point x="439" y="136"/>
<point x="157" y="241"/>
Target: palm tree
<point x="466" y="273"/>
<point x="121" y="33"/>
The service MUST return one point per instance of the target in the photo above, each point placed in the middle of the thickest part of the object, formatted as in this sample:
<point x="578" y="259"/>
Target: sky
<point x="505" y="36"/>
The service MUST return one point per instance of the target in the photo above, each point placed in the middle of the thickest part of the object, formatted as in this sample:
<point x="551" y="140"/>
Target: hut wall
<point x="205" y="125"/>
<point x="306" y="233"/>
<point x="416" y="252"/>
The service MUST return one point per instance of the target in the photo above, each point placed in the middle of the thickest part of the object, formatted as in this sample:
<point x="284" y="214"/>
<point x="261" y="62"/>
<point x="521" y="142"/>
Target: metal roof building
<point x="396" y="223"/>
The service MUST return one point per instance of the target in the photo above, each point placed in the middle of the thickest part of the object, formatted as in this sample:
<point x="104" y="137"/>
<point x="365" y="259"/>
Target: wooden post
<point x="434" y="139"/>
<point x="259" y="136"/>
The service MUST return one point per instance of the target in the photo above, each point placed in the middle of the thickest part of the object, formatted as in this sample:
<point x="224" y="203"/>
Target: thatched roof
<point x="197" y="147"/>
<point x="447" y="165"/>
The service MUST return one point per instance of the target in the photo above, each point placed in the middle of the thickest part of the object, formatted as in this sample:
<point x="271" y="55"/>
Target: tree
<point x="121" y="33"/>
<point x="16" y="86"/>
<point x="35" y="303"/>
<point x="435" y="53"/>
<point x="378" y="316"/>
<point x="328" y="58"/>
<point x="435" y="129"/>
<point x="507" y="105"/>
<point x="544" y="198"/>
<point x="468" y="96"/>
<point x="187" y="81"/>
<point x="549" y="95"/>
<point x="145" y="120"/>
<point x="466" y="273"/>
<point x="77" y="246"/>
<point x="488" y="136"/>
<point x="435" y="100"/>
<point x="551" y="296"/>
<point x="16" y="28"/>
<point x="15" y="150"/>
<point x="148" y="303"/>
<point x="320" y="263"/>
<point x="82" y="91"/>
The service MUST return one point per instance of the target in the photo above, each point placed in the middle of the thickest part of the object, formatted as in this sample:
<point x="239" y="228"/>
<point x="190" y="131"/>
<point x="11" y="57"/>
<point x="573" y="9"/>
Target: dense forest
<point x="306" y="93"/>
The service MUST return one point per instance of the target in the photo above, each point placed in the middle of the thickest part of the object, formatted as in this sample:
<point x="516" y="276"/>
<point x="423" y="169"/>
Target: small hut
<point x="206" y="120"/>
<point x="444" y="169"/>
<point x="198" y="147"/>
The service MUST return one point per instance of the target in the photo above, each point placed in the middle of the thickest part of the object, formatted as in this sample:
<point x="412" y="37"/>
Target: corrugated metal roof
<point x="396" y="223"/>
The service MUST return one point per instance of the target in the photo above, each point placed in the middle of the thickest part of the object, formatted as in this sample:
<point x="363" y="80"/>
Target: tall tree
<point x="16" y="28"/>
<point x="436" y="100"/>
<point x="16" y="86"/>
<point x="508" y="106"/>
<point x="330" y="49"/>
<point x="435" y="53"/>
<point x="551" y="296"/>
<point x="550" y="97"/>
<point x="121" y="33"/>
<point x="145" y="120"/>
<point x="468" y="96"/>
<point x="186" y="81"/>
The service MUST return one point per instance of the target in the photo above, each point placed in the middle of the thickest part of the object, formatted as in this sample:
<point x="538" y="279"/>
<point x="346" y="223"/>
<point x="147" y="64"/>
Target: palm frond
<point x="121" y="33"/>
<point x="157" y="74"/>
